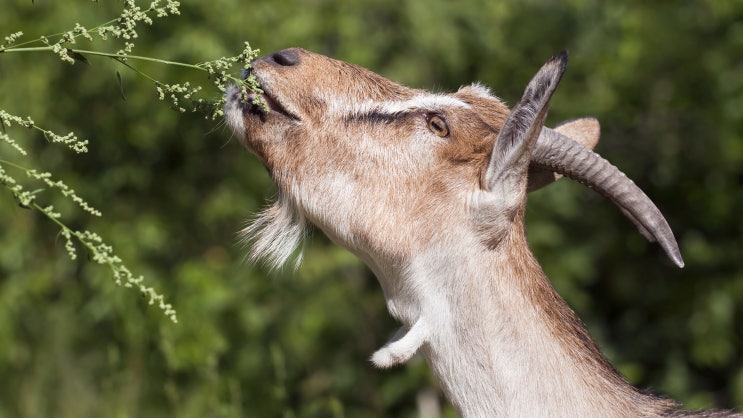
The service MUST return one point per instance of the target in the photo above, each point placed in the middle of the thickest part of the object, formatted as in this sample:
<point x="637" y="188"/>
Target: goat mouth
<point x="263" y="104"/>
<point x="276" y="106"/>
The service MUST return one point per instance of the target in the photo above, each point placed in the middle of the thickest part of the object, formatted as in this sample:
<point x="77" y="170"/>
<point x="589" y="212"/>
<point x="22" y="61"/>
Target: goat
<point x="429" y="190"/>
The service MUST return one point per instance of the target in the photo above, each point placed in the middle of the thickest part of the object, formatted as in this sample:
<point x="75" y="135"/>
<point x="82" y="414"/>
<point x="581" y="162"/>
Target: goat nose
<point x="285" y="58"/>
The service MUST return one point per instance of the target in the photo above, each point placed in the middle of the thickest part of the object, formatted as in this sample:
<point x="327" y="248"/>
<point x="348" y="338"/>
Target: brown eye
<point x="437" y="125"/>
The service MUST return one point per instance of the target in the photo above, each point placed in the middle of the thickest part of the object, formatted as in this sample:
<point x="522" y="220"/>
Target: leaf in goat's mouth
<point x="260" y="103"/>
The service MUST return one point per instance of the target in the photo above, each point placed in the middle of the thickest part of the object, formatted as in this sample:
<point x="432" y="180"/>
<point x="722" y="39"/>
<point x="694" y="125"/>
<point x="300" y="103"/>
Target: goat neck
<point x="430" y="191"/>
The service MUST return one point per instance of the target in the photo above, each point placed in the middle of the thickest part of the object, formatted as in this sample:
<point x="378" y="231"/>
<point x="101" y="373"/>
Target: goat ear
<point x="509" y="162"/>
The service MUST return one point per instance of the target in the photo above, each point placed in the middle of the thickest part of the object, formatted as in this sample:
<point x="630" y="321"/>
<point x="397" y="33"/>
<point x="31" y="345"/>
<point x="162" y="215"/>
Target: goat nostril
<point x="286" y="58"/>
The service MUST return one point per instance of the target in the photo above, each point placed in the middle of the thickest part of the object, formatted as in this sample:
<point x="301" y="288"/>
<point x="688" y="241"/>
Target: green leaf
<point x="77" y="56"/>
<point x="121" y="86"/>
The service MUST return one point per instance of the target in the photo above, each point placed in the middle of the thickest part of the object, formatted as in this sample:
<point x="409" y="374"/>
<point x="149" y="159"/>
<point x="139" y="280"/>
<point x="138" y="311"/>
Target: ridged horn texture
<point x="561" y="154"/>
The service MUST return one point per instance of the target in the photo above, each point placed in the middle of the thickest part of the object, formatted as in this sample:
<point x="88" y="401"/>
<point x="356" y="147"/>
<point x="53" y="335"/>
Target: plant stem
<point x="8" y="163"/>
<point x="105" y="54"/>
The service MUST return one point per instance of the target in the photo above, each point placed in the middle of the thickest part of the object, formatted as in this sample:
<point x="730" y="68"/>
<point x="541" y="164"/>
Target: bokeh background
<point x="665" y="78"/>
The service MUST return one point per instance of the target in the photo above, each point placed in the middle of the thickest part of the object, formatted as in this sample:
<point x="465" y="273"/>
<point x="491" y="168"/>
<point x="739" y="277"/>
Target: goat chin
<point x="429" y="190"/>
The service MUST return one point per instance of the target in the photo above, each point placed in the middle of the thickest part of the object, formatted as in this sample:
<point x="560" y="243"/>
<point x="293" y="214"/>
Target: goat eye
<point x="437" y="125"/>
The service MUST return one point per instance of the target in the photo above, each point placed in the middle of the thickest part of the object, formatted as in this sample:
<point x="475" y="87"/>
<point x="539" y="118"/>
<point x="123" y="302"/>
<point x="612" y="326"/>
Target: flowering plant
<point x="181" y="97"/>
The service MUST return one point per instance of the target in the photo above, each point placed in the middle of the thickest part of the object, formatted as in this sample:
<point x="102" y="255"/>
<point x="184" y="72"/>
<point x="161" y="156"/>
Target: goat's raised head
<point x="429" y="190"/>
<point x="379" y="166"/>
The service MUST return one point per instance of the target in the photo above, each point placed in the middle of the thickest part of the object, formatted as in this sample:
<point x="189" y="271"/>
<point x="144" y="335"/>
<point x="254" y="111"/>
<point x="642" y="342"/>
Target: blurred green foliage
<point x="665" y="79"/>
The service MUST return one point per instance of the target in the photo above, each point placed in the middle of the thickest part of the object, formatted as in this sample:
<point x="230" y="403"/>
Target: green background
<point x="665" y="78"/>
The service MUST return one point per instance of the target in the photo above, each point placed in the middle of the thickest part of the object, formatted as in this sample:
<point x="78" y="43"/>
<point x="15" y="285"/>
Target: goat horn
<point x="558" y="153"/>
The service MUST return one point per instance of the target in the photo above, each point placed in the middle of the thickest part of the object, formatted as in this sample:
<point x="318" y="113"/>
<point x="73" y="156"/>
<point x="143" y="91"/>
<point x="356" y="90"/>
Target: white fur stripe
<point x="426" y="102"/>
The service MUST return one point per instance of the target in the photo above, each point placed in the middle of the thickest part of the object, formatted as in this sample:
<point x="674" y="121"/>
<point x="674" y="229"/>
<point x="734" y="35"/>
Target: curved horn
<point x="585" y="131"/>
<point x="559" y="153"/>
